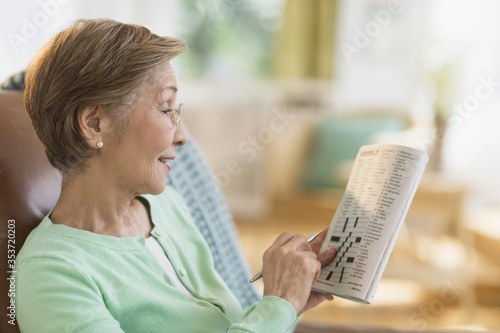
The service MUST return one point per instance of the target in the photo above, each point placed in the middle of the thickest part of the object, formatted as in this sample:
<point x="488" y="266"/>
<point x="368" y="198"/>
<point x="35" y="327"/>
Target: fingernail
<point x="331" y="251"/>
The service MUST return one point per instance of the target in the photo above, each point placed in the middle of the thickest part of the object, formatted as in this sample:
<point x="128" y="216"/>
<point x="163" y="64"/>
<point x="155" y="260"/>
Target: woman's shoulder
<point x="49" y="242"/>
<point x="44" y="244"/>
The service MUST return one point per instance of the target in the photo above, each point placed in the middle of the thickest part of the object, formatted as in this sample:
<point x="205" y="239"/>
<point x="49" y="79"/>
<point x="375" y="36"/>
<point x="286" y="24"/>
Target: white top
<point x="155" y="247"/>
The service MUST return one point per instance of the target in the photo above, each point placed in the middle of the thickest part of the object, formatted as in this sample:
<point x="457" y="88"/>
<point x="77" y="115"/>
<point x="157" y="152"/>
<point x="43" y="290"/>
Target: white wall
<point x="25" y="25"/>
<point x="384" y="60"/>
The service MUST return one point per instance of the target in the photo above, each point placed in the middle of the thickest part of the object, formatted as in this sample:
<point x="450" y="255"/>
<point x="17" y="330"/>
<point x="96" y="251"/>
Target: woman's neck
<point x="96" y="205"/>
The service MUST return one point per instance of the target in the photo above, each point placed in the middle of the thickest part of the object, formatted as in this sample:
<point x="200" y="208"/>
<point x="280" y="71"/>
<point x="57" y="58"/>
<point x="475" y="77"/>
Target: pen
<point x="310" y="239"/>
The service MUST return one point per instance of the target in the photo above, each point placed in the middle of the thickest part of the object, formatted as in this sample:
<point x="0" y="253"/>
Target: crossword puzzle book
<point x="366" y="224"/>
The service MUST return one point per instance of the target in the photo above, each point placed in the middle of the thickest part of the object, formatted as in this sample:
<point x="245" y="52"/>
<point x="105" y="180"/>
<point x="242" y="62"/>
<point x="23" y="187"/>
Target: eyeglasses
<point x="176" y="114"/>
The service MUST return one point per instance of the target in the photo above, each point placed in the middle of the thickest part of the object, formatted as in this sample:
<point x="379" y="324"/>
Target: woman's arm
<point x="291" y="266"/>
<point x="271" y="314"/>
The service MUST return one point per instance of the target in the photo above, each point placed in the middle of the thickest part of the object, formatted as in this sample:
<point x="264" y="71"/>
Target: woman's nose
<point x="181" y="136"/>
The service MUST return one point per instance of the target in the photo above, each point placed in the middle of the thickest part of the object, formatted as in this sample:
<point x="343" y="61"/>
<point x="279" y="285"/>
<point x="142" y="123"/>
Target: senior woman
<point x="119" y="251"/>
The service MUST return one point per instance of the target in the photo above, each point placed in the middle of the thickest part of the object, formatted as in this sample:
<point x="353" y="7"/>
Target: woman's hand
<point x="291" y="266"/>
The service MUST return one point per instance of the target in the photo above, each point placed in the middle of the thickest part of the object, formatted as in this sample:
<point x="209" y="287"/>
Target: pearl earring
<point x="100" y="144"/>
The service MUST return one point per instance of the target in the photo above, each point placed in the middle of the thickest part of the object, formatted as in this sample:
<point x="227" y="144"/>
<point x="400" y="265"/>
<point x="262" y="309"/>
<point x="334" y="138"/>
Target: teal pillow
<point x="337" y="141"/>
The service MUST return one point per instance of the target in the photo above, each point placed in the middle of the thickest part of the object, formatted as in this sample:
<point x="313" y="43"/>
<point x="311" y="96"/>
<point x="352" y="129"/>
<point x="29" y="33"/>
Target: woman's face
<point x="141" y="156"/>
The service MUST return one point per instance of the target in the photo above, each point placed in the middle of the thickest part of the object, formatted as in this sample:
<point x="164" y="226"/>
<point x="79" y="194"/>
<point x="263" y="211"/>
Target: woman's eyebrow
<point x="166" y="93"/>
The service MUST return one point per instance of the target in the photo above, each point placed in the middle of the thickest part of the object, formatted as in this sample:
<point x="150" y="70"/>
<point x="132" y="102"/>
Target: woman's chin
<point x="158" y="187"/>
<point x="161" y="188"/>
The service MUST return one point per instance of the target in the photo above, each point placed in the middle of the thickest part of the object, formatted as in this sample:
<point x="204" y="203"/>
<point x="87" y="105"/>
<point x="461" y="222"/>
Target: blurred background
<point x="280" y="95"/>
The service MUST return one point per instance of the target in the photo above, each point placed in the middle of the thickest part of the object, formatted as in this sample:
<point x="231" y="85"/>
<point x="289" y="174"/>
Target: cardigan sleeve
<point x="52" y="296"/>
<point x="269" y="315"/>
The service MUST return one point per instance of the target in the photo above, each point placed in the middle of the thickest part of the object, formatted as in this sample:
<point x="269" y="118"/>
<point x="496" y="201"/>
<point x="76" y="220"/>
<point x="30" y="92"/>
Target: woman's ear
<point x="90" y="120"/>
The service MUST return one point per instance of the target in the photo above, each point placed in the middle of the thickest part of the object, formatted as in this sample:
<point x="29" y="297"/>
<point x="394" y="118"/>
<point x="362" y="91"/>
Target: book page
<point x="366" y="224"/>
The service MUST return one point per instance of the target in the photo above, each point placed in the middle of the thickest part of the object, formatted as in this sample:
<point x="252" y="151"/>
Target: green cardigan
<point x="71" y="280"/>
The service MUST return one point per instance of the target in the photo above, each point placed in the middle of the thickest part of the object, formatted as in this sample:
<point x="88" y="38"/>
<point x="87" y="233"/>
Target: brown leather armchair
<point x="29" y="187"/>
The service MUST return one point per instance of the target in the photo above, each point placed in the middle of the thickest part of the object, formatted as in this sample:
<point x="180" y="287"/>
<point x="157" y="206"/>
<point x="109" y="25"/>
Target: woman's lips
<point x="166" y="162"/>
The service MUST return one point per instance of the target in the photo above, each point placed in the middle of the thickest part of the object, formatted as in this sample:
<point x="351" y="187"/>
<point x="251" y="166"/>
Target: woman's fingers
<point x="290" y="268"/>
<point x="327" y="257"/>
<point x="316" y="298"/>
<point x="292" y="265"/>
<point x="290" y="241"/>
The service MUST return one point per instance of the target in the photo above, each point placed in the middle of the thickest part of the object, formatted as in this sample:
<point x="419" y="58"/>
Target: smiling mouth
<point x="165" y="161"/>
